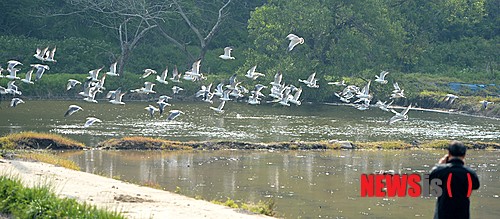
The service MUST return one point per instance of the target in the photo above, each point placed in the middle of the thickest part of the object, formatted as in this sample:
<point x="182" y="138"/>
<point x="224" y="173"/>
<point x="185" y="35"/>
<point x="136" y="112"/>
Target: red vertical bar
<point x="469" y="189"/>
<point x="448" y="185"/>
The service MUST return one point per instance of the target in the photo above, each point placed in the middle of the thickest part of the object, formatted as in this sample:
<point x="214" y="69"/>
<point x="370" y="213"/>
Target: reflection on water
<point x="307" y="184"/>
<point x="243" y="122"/>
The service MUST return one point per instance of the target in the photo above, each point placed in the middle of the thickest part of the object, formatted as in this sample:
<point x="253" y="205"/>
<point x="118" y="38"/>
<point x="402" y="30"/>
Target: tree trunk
<point x="123" y="59"/>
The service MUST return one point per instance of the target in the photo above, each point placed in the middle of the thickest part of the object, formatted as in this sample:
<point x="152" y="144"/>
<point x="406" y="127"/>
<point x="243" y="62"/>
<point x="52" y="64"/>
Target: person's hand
<point x="443" y="160"/>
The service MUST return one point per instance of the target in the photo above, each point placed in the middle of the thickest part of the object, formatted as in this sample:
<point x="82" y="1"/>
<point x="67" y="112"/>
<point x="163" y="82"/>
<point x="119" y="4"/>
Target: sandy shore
<point x="132" y="200"/>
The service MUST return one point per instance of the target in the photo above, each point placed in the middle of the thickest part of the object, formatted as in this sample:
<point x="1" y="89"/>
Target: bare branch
<point x="183" y="47"/>
<point x="208" y="38"/>
<point x="186" y="19"/>
<point x="141" y="35"/>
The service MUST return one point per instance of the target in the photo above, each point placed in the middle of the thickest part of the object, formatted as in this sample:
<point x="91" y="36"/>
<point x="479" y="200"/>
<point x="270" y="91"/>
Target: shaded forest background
<point x="422" y="43"/>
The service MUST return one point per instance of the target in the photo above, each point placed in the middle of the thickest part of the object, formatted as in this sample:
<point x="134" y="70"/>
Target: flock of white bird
<point x="280" y="92"/>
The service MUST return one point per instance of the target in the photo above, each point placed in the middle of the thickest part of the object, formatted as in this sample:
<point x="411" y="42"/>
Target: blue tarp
<point x="474" y="87"/>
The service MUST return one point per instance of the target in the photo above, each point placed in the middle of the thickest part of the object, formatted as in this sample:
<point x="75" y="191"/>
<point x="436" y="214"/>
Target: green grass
<point x="436" y="144"/>
<point x="261" y="207"/>
<point x="18" y="201"/>
<point x="383" y="145"/>
<point x="144" y="143"/>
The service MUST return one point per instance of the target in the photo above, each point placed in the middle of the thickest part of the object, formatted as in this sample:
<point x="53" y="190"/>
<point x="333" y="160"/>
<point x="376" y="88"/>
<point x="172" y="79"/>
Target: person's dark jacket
<point x="456" y="206"/>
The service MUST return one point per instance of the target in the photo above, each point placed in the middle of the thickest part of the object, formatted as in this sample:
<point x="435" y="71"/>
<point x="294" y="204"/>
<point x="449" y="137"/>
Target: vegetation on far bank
<point x="142" y="143"/>
<point x="145" y="143"/>
<point x="19" y="141"/>
<point x="18" y="201"/>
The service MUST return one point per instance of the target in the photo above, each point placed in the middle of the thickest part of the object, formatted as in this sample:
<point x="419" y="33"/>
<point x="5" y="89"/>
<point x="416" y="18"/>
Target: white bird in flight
<point x="72" y="109"/>
<point x="112" y="70"/>
<point x="381" y="78"/>
<point x="11" y="65"/>
<point x="148" y="72"/>
<point x="40" y="69"/>
<point x="485" y="103"/>
<point x="294" y="41"/>
<point x="450" y="98"/>
<point x="219" y="109"/>
<point x="176" y="89"/>
<point x="195" y="69"/>
<point x="117" y="100"/>
<point x="147" y="89"/>
<point x="72" y="83"/>
<point x="90" y="121"/>
<point x="310" y="81"/>
<point x="40" y="54"/>
<point x="27" y="78"/>
<point x="15" y="101"/>
<point x="252" y="74"/>
<point x="227" y="54"/>
<point x="295" y="98"/>
<point x="176" y="76"/>
<point x="50" y="55"/>
<point x="338" y="83"/>
<point x="383" y="105"/>
<point x="91" y="95"/>
<point x="277" y="79"/>
<point x="93" y="74"/>
<point x="163" y="77"/>
<point x="397" y="92"/>
<point x="12" y="88"/>
<point x="151" y="110"/>
<point x="399" y="116"/>
<point x="174" y="114"/>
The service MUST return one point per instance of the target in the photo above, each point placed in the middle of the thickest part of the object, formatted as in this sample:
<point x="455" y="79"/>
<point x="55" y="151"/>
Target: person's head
<point x="457" y="149"/>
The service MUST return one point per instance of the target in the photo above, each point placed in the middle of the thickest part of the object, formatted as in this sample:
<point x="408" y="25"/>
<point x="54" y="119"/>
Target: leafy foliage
<point x="41" y="202"/>
<point x="453" y="39"/>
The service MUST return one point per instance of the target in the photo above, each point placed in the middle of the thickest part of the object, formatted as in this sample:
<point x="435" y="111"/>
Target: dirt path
<point x="133" y="200"/>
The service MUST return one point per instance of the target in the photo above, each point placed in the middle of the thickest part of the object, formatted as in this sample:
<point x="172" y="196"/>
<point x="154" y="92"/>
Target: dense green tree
<point x="457" y="38"/>
<point x="342" y="38"/>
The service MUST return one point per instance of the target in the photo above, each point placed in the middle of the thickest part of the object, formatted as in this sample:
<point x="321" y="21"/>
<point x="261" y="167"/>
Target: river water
<point x="303" y="184"/>
<point x="243" y="122"/>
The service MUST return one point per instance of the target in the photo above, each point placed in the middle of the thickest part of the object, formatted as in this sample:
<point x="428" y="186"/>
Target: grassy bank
<point x="26" y="141"/>
<point x="33" y="146"/>
<point x="18" y="201"/>
<point x="35" y="140"/>
<point x="144" y="143"/>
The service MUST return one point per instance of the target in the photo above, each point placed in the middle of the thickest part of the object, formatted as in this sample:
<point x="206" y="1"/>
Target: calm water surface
<point x="303" y="184"/>
<point x="242" y="122"/>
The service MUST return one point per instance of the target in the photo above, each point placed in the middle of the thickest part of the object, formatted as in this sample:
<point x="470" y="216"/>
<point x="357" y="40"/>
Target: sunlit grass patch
<point x="383" y="145"/>
<point x="436" y="144"/>
<point x="47" y="157"/>
<point x="483" y="145"/>
<point x="35" y="140"/>
<point x="262" y="207"/>
<point x="143" y="143"/>
<point x="229" y="203"/>
<point x="18" y="201"/>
